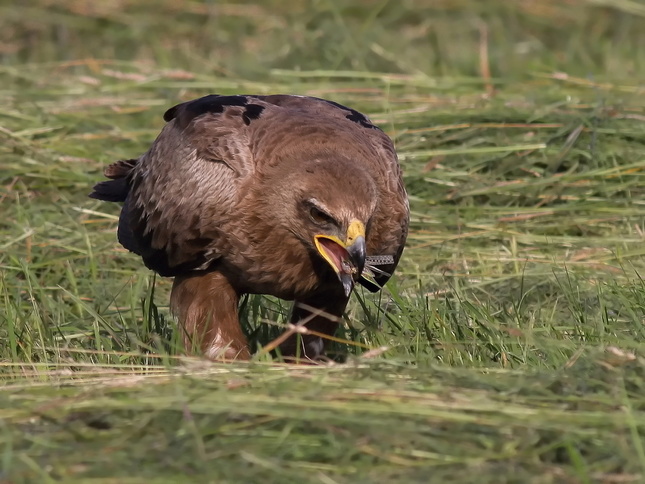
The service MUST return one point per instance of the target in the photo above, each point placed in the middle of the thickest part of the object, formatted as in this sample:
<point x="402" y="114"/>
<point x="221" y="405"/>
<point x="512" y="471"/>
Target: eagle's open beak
<point x="346" y="258"/>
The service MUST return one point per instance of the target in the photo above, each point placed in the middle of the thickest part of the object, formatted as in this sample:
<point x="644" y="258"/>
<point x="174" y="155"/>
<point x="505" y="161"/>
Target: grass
<point x="509" y="345"/>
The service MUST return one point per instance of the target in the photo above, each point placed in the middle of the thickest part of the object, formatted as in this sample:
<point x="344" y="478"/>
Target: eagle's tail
<point x="116" y="189"/>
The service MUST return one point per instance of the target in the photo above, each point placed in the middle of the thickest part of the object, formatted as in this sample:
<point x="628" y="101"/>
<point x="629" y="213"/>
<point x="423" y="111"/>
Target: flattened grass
<point x="363" y="422"/>
<point x="508" y="348"/>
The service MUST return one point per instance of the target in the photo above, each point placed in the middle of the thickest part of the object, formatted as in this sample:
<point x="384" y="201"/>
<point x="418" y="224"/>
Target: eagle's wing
<point x="180" y="193"/>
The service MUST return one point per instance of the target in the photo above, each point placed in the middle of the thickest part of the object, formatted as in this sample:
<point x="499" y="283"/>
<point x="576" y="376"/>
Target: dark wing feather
<point x="115" y="190"/>
<point x="111" y="190"/>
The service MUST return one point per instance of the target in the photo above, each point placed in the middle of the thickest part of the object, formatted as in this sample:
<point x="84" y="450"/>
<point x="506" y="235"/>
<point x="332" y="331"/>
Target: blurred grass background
<point x="508" y="347"/>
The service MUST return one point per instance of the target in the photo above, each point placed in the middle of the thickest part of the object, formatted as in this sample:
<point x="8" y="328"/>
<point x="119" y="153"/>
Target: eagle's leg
<point x="320" y="315"/>
<point x="206" y="306"/>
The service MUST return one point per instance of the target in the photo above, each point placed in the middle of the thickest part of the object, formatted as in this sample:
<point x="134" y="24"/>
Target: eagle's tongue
<point x="337" y="254"/>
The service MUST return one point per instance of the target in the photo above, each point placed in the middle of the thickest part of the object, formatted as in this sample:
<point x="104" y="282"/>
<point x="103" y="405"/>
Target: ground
<point x="507" y="348"/>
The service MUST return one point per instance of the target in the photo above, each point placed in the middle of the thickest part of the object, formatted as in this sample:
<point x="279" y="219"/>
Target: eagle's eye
<point x="321" y="218"/>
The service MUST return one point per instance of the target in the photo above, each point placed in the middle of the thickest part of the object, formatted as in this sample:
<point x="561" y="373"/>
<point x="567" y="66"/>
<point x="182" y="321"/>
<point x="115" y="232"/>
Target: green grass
<point x="509" y="347"/>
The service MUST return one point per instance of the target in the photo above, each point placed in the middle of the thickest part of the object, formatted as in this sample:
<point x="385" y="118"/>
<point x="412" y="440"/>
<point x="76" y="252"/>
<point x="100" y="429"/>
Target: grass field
<point x="508" y="348"/>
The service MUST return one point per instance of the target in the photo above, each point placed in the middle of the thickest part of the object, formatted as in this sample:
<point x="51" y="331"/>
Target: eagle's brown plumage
<point x="281" y="195"/>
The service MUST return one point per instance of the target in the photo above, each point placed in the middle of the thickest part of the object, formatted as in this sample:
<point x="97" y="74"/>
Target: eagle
<point x="292" y="196"/>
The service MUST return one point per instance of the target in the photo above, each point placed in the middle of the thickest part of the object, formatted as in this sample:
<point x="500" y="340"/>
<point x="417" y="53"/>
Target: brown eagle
<point x="292" y="196"/>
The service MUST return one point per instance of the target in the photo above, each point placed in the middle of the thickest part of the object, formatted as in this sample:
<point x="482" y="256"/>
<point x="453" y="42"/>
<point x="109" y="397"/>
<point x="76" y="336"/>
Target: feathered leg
<point x="206" y="306"/>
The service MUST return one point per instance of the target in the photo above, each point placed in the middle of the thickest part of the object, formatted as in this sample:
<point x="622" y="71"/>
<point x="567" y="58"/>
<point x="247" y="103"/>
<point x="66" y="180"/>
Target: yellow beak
<point x="347" y="258"/>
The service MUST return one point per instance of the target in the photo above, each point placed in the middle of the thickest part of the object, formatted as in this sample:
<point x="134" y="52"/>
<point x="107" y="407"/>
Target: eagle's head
<point x="331" y="202"/>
